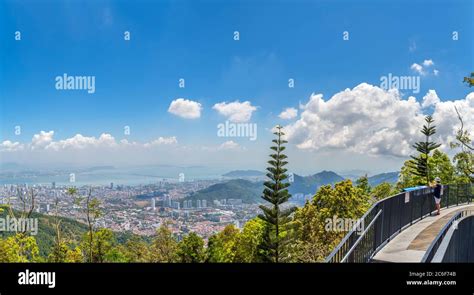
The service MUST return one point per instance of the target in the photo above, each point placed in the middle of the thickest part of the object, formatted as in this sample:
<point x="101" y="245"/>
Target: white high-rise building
<point x="153" y="204"/>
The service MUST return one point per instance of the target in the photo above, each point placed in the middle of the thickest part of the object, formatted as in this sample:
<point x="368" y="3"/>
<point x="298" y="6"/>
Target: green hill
<point x="250" y="192"/>
<point x="70" y="228"/>
<point x="46" y="231"/>
<point x="310" y="184"/>
<point x="390" y="177"/>
<point x="243" y="189"/>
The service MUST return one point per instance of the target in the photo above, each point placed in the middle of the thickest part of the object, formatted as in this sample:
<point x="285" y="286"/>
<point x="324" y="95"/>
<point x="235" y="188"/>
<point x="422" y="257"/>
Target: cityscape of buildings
<point x="140" y="209"/>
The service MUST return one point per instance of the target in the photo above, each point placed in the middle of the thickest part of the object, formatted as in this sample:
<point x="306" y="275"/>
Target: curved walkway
<point x="411" y="244"/>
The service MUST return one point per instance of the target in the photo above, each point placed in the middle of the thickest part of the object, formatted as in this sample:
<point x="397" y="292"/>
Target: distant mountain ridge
<point x="250" y="192"/>
<point x="310" y="184"/>
<point x="390" y="177"/>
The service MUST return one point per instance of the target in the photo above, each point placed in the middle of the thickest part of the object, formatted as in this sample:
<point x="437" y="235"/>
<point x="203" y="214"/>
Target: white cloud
<point x="430" y="99"/>
<point x="162" y="141"/>
<point x="229" y="145"/>
<point x="81" y="142"/>
<point x="288" y="114"/>
<point x="236" y="111"/>
<point x="422" y="69"/>
<point x="370" y="120"/>
<point x="9" y="146"/>
<point x="42" y="139"/>
<point x="446" y="119"/>
<point x="185" y="108"/>
<point x="428" y="62"/>
<point x="125" y="142"/>
<point x="417" y="68"/>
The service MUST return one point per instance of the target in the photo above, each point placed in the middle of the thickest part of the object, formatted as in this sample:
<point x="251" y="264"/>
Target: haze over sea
<point x="106" y="175"/>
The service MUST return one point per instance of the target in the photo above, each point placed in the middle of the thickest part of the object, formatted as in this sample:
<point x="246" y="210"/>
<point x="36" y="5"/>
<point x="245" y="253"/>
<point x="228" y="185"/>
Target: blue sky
<point x="136" y="80"/>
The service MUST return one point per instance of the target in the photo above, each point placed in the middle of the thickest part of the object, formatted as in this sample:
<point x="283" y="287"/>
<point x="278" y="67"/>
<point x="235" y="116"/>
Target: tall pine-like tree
<point x="276" y="218"/>
<point x="420" y="163"/>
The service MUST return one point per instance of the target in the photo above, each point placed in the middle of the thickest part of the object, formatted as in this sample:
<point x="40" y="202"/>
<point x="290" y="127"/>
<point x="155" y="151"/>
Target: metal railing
<point x="388" y="217"/>
<point x="455" y="242"/>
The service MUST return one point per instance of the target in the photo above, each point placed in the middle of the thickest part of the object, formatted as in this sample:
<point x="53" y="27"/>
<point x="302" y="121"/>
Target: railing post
<point x="457" y="195"/>
<point x="374" y="246"/>
<point x="422" y="201"/>
<point x="449" y="192"/>
<point x="400" y="214"/>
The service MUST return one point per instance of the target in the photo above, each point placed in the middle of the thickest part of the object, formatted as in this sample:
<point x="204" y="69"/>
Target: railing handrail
<point x="440" y="237"/>
<point x="393" y="221"/>
<point x="361" y="235"/>
<point x="356" y="225"/>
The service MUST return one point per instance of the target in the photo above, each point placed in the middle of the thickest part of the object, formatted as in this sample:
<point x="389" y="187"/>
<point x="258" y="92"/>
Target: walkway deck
<point x="411" y="244"/>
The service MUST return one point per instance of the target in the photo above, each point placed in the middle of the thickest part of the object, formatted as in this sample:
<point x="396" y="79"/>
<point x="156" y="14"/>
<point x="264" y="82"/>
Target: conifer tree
<point x="276" y="218"/>
<point x="420" y="165"/>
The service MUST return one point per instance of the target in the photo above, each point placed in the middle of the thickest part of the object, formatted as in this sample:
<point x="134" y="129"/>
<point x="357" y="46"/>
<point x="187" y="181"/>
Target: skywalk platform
<point x="411" y="244"/>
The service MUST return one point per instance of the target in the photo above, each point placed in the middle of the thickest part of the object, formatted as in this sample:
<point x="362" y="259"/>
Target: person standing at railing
<point x="438" y="192"/>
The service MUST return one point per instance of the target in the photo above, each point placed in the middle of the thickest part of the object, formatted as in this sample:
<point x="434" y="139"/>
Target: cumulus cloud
<point x="288" y="114"/>
<point x="42" y="139"/>
<point x="236" y="111"/>
<point x="417" y="68"/>
<point x="9" y="146"/>
<point x="446" y="119"/>
<point x="162" y="141"/>
<point x="422" y="68"/>
<point x="81" y="142"/>
<point x="428" y="62"/>
<point x="370" y="120"/>
<point x="430" y="99"/>
<point x="185" y="108"/>
<point x="229" y="145"/>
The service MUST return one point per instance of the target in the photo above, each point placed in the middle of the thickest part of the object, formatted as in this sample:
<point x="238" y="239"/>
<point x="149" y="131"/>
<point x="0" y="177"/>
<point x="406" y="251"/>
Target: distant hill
<point x="250" y="192"/>
<point x="353" y="174"/>
<point x="390" y="177"/>
<point x="310" y="184"/>
<point x="244" y="173"/>
<point x="246" y="190"/>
